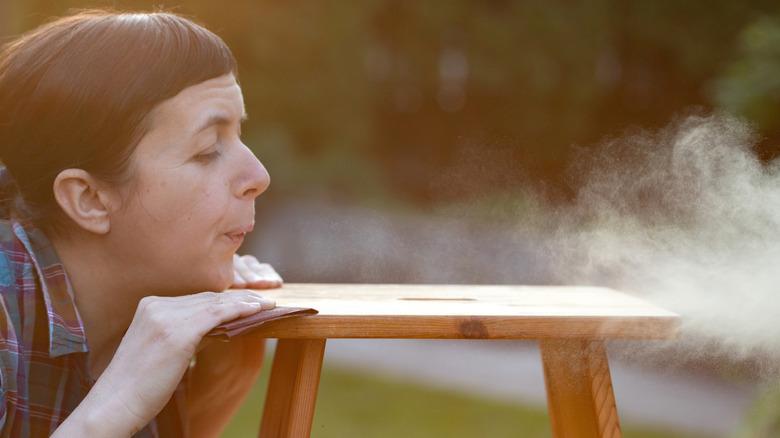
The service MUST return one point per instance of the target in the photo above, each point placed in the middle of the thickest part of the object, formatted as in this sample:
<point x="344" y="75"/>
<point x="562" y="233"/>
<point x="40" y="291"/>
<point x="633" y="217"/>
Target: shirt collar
<point x="66" y="329"/>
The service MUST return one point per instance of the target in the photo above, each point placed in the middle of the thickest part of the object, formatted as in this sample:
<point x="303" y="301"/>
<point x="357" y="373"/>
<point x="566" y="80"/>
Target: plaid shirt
<point x="43" y="347"/>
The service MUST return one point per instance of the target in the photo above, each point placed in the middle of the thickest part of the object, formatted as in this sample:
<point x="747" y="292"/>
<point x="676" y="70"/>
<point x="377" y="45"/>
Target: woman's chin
<point x="217" y="281"/>
<point x="213" y="277"/>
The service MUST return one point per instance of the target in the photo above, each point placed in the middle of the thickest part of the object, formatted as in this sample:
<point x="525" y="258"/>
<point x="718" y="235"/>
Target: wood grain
<point x="467" y="312"/>
<point x="292" y="390"/>
<point x="580" y="399"/>
<point x="571" y="323"/>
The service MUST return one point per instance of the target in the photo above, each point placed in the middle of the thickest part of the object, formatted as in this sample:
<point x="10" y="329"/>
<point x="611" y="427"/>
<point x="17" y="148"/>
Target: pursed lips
<point x="238" y="234"/>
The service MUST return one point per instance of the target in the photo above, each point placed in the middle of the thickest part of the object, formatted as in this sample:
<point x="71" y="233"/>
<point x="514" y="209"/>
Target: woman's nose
<point x="255" y="179"/>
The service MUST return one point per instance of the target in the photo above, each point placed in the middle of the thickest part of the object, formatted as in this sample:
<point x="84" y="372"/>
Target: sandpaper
<point x="238" y="326"/>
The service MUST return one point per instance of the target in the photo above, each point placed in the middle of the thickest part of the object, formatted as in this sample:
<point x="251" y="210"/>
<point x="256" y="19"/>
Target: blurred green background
<point x="424" y="105"/>
<point x="359" y="404"/>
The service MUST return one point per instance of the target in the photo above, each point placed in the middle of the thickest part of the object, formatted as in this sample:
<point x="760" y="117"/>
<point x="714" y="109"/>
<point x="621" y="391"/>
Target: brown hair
<point x="75" y="93"/>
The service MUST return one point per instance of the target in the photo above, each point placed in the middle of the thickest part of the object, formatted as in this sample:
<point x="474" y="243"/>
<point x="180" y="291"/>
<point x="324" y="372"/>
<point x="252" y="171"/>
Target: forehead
<point x="220" y="96"/>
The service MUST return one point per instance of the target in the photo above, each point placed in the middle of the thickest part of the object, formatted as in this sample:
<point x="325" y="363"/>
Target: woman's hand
<point x="152" y="358"/>
<point x="224" y="372"/>
<point x="249" y="273"/>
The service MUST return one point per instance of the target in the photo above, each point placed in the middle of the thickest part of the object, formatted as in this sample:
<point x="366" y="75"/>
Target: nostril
<point x="252" y="193"/>
<point x="254" y="190"/>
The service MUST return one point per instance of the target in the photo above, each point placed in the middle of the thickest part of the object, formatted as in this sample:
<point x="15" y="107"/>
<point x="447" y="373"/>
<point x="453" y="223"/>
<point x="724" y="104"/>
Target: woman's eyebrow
<point x="217" y="119"/>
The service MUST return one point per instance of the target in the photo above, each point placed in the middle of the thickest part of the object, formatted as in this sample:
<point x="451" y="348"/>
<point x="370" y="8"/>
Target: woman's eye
<point x="206" y="157"/>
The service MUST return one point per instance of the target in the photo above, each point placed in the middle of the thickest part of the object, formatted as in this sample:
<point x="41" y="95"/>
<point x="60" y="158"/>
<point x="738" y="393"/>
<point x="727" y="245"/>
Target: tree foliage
<point x="433" y="101"/>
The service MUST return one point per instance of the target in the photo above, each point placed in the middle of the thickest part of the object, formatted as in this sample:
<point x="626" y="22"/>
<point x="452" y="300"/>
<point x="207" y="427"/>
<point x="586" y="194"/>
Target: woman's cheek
<point x="185" y="197"/>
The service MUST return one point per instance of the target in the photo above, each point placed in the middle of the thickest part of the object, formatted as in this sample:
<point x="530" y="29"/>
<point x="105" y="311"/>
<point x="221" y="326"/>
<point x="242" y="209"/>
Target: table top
<point x="467" y="312"/>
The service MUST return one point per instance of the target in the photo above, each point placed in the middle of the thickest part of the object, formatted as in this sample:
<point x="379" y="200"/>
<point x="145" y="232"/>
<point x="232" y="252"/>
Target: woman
<point x="127" y="193"/>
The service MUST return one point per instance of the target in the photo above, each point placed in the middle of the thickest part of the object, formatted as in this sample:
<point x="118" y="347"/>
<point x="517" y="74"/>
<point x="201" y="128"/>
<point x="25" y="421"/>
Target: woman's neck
<point x="106" y="298"/>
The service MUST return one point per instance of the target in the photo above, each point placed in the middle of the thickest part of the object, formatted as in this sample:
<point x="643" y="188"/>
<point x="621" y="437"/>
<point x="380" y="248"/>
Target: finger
<point x="245" y="272"/>
<point x="251" y="296"/>
<point x="219" y="298"/>
<point x="225" y="307"/>
<point x="192" y="316"/>
<point x="265" y="284"/>
<point x="266" y="302"/>
<point x="190" y="308"/>
<point x="264" y="276"/>
<point x="263" y="269"/>
<point x="238" y="280"/>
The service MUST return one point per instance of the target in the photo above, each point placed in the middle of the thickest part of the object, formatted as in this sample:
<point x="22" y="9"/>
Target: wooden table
<point x="571" y="324"/>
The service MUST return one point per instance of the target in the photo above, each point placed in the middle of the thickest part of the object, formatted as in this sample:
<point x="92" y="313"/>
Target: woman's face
<point x="191" y="199"/>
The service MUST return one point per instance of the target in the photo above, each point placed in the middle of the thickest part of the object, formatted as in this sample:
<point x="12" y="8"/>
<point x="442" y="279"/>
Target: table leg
<point x="579" y="389"/>
<point x="292" y="390"/>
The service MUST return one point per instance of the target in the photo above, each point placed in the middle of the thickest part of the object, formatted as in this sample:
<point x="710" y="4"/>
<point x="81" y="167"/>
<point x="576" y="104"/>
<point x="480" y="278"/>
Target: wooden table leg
<point x="579" y="389"/>
<point x="292" y="390"/>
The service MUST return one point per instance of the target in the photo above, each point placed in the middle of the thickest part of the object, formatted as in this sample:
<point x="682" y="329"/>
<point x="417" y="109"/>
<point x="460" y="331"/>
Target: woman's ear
<point x="83" y="200"/>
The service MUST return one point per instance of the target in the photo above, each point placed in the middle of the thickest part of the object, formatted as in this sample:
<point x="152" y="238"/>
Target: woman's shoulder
<point x="35" y="290"/>
<point x="18" y="282"/>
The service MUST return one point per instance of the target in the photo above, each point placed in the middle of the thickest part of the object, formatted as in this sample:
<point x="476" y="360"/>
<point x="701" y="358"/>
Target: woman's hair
<point x="76" y="92"/>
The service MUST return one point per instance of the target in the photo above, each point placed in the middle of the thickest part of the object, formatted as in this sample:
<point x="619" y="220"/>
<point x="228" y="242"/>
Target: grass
<point x="352" y="404"/>
<point x="764" y="418"/>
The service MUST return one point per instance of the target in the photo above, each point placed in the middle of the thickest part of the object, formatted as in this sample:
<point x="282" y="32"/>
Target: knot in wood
<point x="473" y="328"/>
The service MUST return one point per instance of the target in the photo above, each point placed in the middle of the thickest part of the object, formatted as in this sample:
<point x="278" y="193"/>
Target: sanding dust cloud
<point x="689" y="218"/>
